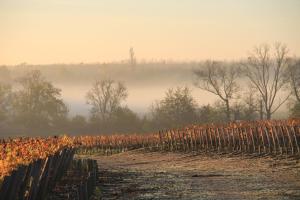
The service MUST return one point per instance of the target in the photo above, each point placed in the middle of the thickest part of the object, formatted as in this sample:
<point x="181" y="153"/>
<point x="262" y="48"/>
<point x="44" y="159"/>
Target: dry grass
<point x="152" y="175"/>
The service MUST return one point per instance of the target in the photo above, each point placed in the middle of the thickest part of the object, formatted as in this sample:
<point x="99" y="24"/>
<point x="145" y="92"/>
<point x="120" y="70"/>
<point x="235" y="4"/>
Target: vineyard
<point x="32" y="166"/>
<point x="261" y="137"/>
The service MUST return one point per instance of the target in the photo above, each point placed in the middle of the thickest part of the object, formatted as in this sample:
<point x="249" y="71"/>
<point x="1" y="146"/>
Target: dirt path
<point x="140" y="175"/>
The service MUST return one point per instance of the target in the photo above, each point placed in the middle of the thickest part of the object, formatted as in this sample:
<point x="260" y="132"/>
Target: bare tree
<point x="294" y="75"/>
<point x="105" y="97"/>
<point x="220" y="79"/>
<point x="266" y="71"/>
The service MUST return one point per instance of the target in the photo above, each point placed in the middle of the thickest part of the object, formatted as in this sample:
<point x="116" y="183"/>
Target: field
<point x="241" y="160"/>
<point x="152" y="175"/>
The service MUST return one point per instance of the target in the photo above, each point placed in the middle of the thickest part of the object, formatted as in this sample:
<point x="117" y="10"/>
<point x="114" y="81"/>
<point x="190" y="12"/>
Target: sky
<point x="73" y="31"/>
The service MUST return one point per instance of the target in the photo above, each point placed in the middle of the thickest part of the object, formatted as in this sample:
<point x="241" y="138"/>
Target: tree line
<point x="272" y="78"/>
<point x="33" y="105"/>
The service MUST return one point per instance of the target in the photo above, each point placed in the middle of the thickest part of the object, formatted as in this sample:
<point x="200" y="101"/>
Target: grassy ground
<point x="155" y="175"/>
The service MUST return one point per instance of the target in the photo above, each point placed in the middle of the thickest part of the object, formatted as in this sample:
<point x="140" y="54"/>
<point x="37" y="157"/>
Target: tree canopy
<point x="177" y="109"/>
<point x="37" y="103"/>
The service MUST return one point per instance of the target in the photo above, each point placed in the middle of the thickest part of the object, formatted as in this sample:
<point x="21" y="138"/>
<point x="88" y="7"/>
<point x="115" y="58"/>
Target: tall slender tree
<point x="266" y="70"/>
<point x="219" y="79"/>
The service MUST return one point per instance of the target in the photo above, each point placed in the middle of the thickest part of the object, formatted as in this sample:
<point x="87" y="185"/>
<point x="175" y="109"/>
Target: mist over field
<point x="141" y="66"/>
<point x="146" y="83"/>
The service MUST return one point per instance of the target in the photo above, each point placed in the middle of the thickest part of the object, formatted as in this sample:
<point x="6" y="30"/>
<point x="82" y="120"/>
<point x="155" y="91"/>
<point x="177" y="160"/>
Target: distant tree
<point x="125" y="120"/>
<point x="294" y="85"/>
<point x="78" y="125"/>
<point x="267" y="72"/>
<point x="209" y="114"/>
<point x="5" y="100"/>
<point x="147" y="124"/>
<point x="177" y="109"/>
<point x="250" y="105"/>
<point x="294" y="78"/>
<point x="106" y="97"/>
<point x="237" y="110"/>
<point x="295" y="111"/>
<point x="38" y="104"/>
<point x="219" y="79"/>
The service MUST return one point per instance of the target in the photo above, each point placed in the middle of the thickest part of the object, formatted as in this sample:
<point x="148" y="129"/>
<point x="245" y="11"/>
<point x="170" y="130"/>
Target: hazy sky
<point x="55" y="31"/>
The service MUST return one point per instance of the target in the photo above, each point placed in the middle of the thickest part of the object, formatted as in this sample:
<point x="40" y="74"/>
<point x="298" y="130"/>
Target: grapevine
<point x="22" y="151"/>
<point x="274" y="137"/>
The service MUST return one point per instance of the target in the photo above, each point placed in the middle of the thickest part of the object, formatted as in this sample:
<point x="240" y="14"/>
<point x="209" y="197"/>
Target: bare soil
<point x="155" y="175"/>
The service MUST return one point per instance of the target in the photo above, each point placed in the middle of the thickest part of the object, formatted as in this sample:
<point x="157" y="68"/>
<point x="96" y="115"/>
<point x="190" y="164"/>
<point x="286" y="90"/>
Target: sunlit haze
<point x="73" y="31"/>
